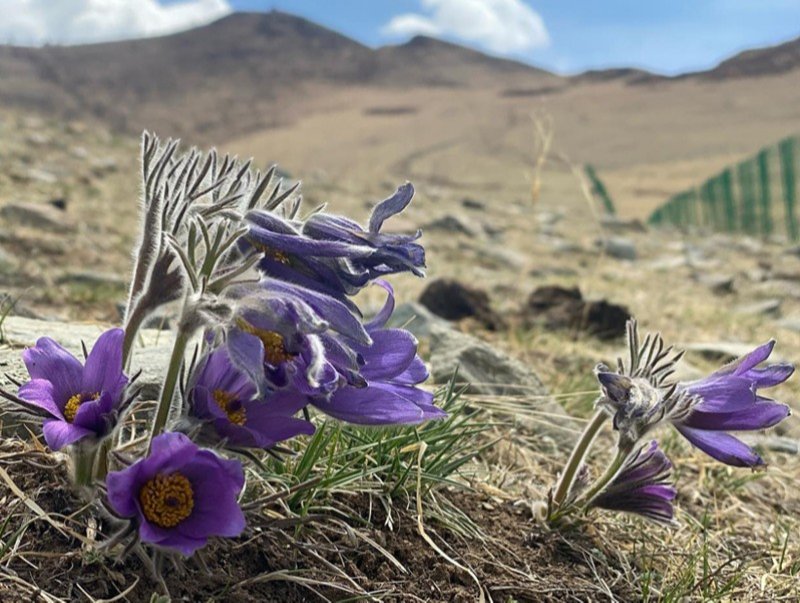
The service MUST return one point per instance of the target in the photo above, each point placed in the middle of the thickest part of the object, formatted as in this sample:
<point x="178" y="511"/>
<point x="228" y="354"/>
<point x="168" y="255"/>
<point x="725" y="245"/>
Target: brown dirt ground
<point x="519" y="562"/>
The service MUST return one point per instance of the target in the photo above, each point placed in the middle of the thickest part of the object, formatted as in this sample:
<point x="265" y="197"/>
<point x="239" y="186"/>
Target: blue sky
<point x="666" y="36"/>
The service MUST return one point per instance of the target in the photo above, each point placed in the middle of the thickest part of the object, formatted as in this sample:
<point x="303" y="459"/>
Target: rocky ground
<point x="524" y="296"/>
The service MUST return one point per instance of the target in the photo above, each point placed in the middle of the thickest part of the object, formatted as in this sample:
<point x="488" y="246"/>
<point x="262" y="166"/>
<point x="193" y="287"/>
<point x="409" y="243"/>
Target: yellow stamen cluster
<point x="167" y="499"/>
<point x="274" y="347"/>
<point x="224" y="400"/>
<point x="74" y="403"/>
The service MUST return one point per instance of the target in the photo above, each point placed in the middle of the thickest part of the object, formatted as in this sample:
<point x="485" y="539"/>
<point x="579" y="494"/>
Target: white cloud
<point x="37" y="22"/>
<point x="501" y="26"/>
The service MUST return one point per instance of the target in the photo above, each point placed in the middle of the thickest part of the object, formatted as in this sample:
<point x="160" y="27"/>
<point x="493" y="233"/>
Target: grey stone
<point x="616" y="224"/>
<point x="151" y="353"/>
<point x="418" y="319"/>
<point x="452" y="224"/>
<point x="619" y="248"/>
<point x="765" y="307"/>
<point x="470" y="203"/>
<point x="719" y="284"/>
<point x="485" y="371"/>
<point x="790" y="324"/>
<point x="45" y="217"/>
<point x="92" y="279"/>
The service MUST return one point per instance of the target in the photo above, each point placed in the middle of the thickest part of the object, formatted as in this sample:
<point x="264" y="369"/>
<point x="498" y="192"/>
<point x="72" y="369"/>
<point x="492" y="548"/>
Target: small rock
<point x="619" y="248"/>
<point x="452" y="224"/>
<point x="790" y="324"/>
<point x="766" y="307"/>
<point x="616" y="224"/>
<point x="45" y="217"/>
<point x="547" y="218"/>
<point x="103" y="167"/>
<point x="719" y="284"/>
<point x="484" y="370"/>
<point x="44" y="176"/>
<point x="563" y="246"/>
<point x="454" y="301"/>
<point x="470" y="203"/>
<point x="561" y="308"/>
<point x="59" y="203"/>
<point x="92" y="279"/>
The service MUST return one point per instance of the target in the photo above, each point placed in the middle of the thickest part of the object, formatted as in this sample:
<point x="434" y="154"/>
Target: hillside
<point x="243" y="72"/>
<point x="772" y="60"/>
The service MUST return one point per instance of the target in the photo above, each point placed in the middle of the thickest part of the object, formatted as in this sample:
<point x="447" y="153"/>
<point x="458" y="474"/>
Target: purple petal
<point x="755" y="416"/>
<point x="48" y="360"/>
<point x="749" y="361"/>
<point x="769" y="376"/>
<point x="103" y="370"/>
<point x="247" y="354"/>
<point x="39" y="392"/>
<point x="374" y="405"/>
<point x="302" y="245"/>
<point x="415" y="373"/>
<point x="724" y="393"/>
<point x="95" y="415"/>
<point x="392" y="351"/>
<point x="123" y="488"/>
<point x="722" y="446"/>
<point x="59" y="433"/>
<point x="382" y="317"/>
<point x="333" y="311"/>
<point x="216" y="484"/>
<point x="169" y="452"/>
<point x="391" y="206"/>
<point x="171" y="539"/>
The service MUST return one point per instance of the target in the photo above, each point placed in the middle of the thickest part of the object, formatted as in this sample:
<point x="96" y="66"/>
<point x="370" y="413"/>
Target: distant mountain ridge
<point x="257" y="70"/>
<point x="224" y="78"/>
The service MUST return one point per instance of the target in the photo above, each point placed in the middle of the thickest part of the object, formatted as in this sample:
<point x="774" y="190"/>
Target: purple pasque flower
<point x="180" y="495"/>
<point x="392" y="370"/>
<point x="642" y="486"/>
<point x="225" y="397"/>
<point x="333" y="254"/>
<point x="729" y="400"/>
<point x="282" y="337"/>
<point x="81" y="400"/>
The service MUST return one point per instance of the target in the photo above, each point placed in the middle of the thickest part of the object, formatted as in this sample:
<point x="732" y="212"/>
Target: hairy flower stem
<point x="611" y="471"/>
<point x="83" y="465"/>
<point x="132" y="326"/>
<point x="570" y="471"/>
<point x="170" y="382"/>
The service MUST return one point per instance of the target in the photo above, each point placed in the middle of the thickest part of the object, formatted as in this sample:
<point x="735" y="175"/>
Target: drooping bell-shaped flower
<point x="392" y="370"/>
<point x="729" y="400"/>
<point x="642" y="486"/>
<point x="333" y="254"/>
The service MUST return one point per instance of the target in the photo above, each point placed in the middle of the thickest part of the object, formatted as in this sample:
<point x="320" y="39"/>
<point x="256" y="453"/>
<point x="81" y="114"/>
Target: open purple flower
<point x="642" y="486"/>
<point x="332" y="254"/>
<point x="728" y="400"/>
<point x="392" y="371"/>
<point x="180" y="495"/>
<point x="81" y="400"/>
<point x="225" y="397"/>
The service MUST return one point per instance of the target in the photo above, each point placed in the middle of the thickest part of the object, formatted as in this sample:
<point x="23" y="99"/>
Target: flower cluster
<point x="640" y="397"/>
<point x="267" y="332"/>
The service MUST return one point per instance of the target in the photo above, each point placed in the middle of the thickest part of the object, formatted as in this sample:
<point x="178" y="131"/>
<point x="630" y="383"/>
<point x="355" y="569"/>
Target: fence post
<point x="764" y="198"/>
<point x="786" y="149"/>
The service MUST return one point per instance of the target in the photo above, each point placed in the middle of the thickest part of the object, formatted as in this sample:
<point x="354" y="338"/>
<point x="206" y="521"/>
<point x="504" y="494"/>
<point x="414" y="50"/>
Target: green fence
<point x="599" y="189"/>
<point x="758" y="196"/>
